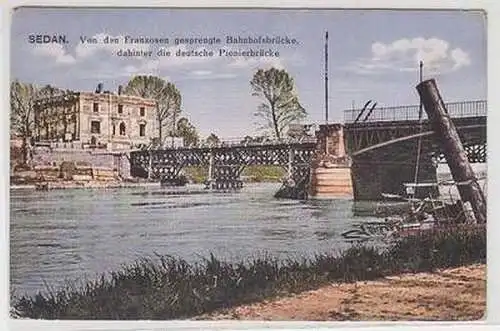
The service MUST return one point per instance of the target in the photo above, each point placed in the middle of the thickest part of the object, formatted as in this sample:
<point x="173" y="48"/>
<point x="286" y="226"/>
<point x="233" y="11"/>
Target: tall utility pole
<point x="326" y="92"/>
<point x="419" y="145"/>
<point x="326" y="77"/>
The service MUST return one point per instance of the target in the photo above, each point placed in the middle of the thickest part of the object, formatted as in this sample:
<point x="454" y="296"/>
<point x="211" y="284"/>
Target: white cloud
<point x="404" y="55"/>
<point x="460" y="57"/>
<point x="204" y="67"/>
<point x="85" y="50"/>
<point x="184" y="58"/>
<point x="100" y="59"/>
<point x="201" y="72"/>
<point x="208" y="74"/>
<point x="55" y="51"/>
<point x="257" y="62"/>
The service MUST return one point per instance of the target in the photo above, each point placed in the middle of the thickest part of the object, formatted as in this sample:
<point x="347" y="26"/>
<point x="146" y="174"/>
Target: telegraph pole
<point x="419" y="144"/>
<point x="326" y="77"/>
<point x="326" y="92"/>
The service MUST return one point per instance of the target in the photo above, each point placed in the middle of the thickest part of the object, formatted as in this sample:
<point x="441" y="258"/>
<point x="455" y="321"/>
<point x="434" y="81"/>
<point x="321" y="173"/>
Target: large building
<point x="95" y="120"/>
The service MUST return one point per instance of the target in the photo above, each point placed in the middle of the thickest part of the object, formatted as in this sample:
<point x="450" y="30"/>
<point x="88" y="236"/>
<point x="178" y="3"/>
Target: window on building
<point x="96" y="107"/>
<point x="95" y="127"/>
<point x="120" y="109"/>
<point x="122" y="129"/>
<point x="142" y="111"/>
<point x="114" y="129"/>
<point x="142" y="130"/>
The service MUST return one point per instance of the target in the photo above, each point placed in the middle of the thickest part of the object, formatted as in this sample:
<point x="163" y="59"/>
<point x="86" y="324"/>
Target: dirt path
<point x="452" y="294"/>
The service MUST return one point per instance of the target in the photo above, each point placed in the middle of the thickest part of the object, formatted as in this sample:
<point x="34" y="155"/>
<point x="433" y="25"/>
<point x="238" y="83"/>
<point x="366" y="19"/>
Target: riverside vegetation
<point x="257" y="174"/>
<point x="171" y="288"/>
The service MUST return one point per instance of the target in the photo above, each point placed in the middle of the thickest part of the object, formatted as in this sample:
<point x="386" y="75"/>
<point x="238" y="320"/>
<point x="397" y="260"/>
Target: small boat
<point x="393" y="197"/>
<point x="42" y="186"/>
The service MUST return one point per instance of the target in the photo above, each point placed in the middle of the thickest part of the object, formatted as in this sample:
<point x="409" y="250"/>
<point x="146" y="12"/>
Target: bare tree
<point x="22" y="105"/>
<point x="280" y="106"/>
<point x="166" y="95"/>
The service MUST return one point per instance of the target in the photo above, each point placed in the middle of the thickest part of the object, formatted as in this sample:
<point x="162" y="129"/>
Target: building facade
<point x="95" y="120"/>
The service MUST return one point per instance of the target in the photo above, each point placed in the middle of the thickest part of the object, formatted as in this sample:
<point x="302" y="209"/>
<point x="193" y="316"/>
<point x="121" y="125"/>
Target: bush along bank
<point x="175" y="289"/>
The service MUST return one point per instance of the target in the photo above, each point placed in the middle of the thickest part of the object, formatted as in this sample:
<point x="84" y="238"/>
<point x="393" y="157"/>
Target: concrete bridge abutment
<point x="330" y="171"/>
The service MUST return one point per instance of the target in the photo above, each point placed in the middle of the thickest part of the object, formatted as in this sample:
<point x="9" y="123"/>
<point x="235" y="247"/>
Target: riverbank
<point x="171" y="288"/>
<point x="61" y="185"/>
<point x="447" y="295"/>
<point x="196" y="175"/>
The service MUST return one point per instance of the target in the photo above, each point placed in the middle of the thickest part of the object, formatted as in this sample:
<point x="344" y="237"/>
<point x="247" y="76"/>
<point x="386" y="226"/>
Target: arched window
<point x="122" y="129"/>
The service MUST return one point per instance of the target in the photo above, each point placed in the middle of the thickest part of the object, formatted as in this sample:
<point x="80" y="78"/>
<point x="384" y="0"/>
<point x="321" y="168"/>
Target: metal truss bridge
<point x="384" y="147"/>
<point x="226" y="160"/>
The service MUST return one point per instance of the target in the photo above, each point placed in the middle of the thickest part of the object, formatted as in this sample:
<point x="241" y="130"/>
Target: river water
<point x="77" y="234"/>
<point x="74" y="235"/>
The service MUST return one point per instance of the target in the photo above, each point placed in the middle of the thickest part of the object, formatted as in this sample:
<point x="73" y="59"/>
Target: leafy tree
<point x="212" y="140"/>
<point x="167" y="96"/>
<point x="22" y="105"/>
<point x="48" y="92"/>
<point x="280" y="104"/>
<point x="188" y="132"/>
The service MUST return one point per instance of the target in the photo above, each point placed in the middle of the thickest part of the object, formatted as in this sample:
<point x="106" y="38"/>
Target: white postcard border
<point x="493" y="266"/>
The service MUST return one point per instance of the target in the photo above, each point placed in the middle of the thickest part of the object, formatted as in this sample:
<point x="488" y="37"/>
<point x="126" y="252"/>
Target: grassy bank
<point x="174" y="289"/>
<point x="260" y="174"/>
<point x="255" y="174"/>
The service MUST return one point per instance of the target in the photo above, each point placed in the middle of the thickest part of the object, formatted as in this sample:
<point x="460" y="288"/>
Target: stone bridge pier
<point x="330" y="172"/>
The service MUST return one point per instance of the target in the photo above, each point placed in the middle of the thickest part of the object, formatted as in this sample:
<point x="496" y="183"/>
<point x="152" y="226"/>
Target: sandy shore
<point x="451" y="294"/>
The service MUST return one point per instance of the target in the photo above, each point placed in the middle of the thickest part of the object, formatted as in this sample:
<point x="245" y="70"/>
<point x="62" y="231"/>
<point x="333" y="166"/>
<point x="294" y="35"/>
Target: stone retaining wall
<point x="102" y="163"/>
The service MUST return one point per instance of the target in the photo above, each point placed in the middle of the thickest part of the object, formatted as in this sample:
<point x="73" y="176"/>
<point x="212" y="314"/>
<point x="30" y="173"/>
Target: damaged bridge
<point x="385" y="148"/>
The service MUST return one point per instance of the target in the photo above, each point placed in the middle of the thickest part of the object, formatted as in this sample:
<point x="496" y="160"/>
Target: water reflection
<point x="59" y="235"/>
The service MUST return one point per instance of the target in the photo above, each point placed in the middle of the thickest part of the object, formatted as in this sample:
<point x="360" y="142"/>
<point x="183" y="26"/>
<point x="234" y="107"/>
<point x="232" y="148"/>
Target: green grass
<point x="171" y="288"/>
<point x="264" y="173"/>
<point x="197" y="174"/>
<point x="256" y="174"/>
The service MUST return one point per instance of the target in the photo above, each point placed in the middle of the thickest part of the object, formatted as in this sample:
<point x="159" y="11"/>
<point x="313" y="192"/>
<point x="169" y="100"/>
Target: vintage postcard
<point x="247" y="164"/>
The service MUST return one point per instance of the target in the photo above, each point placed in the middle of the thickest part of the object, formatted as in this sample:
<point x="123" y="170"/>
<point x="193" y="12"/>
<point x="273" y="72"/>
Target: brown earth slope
<point x="451" y="294"/>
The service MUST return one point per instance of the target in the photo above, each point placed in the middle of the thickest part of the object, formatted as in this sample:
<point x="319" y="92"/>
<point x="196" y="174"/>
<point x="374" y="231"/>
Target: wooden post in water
<point x="291" y="154"/>
<point x="210" y="169"/>
<point x="150" y="164"/>
<point x="454" y="151"/>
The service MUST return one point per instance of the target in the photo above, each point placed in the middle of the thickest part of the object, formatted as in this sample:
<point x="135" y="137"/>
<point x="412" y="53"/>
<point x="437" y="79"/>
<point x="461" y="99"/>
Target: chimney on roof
<point x="99" y="88"/>
<point x="120" y="89"/>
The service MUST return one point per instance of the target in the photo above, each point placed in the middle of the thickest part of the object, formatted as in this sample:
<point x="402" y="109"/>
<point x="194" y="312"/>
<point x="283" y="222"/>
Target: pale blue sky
<point x="372" y="55"/>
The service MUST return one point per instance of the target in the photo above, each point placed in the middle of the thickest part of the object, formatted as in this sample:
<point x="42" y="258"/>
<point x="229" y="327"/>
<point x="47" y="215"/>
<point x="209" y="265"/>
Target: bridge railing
<point x="232" y="142"/>
<point x="242" y="142"/>
<point x="411" y="112"/>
